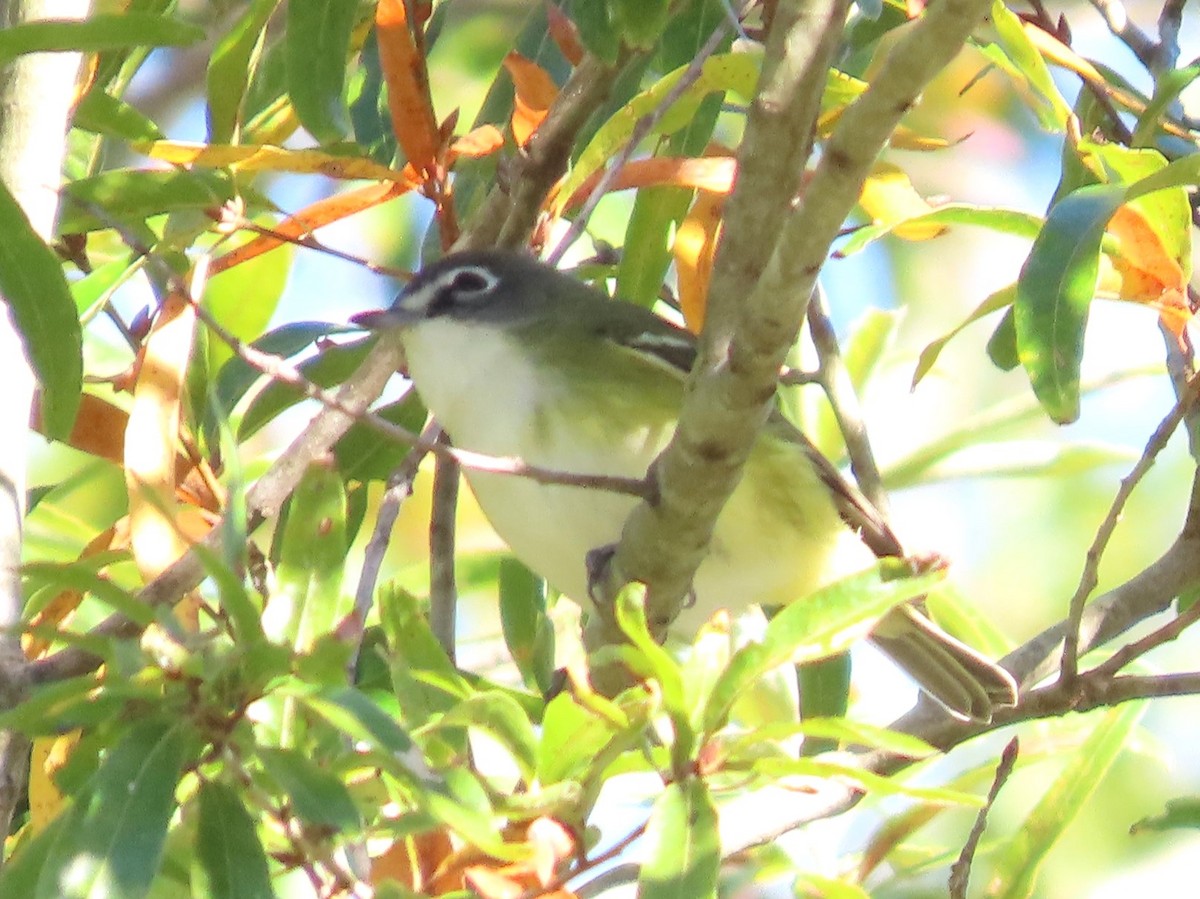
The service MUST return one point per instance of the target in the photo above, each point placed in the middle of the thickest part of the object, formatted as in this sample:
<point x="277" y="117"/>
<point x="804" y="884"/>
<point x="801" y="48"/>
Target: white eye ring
<point x="471" y="282"/>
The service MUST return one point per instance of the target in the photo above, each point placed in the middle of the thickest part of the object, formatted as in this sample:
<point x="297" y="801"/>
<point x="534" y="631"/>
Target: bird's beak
<point x="385" y="319"/>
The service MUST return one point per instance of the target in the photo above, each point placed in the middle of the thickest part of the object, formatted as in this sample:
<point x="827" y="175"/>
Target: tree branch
<point x="36" y="91"/>
<point x="744" y="344"/>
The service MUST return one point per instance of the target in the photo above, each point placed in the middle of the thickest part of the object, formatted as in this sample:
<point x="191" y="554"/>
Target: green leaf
<point x="843" y="731"/>
<point x="824" y="693"/>
<point x="317" y="795"/>
<point x="317" y="44"/>
<point x="364" y="454"/>
<point x="421" y="672"/>
<point x="332" y="365"/>
<point x="641" y="22"/>
<point x="528" y="632"/>
<point x="1002" y="345"/>
<point x="230" y="862"/>
<point x="1021" y="60"/>
<point x="1168" y="86"/>
<point x="1017" y="862"/>
<point x="1054" y="293"/>
<point x="1001" y="299"/>
<point x="132" y="195"/>
<point x="1002" y="221"/>
<point x="822" y="624"/>
<point x="353" y="713"/>
<point x="646" y="657"/>
<point x="82" y="577"/>
<point x="243" y="299"/>
<point x="597" y="30"/>
<point x="104" y="114"/>
<point x="116" y="847"/>
<point x="571" y="736"/>
<point x="23" y="869"/>
<point x="1179" y="814"/>
<point x="238" y="376"/>
<point x="307" y="602"/>
<point x="32" y="283"/>
<point x="683" y="851"/>
<point x="230" y="67"/>
<point x="778" y="768"/>
<point x="499" y="716"/>
<point x="96" y="33"/>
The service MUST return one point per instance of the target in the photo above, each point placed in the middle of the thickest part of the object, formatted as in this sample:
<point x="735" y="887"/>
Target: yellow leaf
<point x="265" y="158"/>
<point x="888" y="196"/>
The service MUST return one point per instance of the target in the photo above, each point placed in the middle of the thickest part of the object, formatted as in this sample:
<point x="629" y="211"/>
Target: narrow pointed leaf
<point x="32" y="283"/>
<point x="230" y="862"/>
<point x="683" y="851"/>
<point x="1054" y="293"/>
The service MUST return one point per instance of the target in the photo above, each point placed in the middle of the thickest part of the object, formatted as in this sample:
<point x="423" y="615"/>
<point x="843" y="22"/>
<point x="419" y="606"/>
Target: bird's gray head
<point x="486" y="286"/>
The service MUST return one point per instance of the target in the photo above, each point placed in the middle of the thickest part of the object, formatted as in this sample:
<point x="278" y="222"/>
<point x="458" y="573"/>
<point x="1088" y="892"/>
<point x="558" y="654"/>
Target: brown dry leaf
<point x="710" y="173"/>
<point x="314" y="216"/>
<point x="413" y="862"/>
<point x="151" y="444"/>
<point x="535" y="91"/>
<point x="888" y="196"/>
<point x="99" y="431"/>
<point x="404" y="70"/>
<point x="1144" y="272"/>
<point x="694" y="249"/>
<point x="564" y="34"/>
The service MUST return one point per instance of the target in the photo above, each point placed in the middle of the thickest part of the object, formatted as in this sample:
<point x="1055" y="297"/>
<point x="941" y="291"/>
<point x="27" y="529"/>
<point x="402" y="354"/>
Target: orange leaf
<point x="564" y="34"/>
<point x="412" y="862"/>
<point x="307" y="220"/>
<point x="413" y="120"/>
<point x="151" y="437"/>
<point x="695" y="248"/>
<point x="482" y="141"/>
<point x="1145" y="272"/>
<point x="711" y="173"/>
<point x="535" y="91"/>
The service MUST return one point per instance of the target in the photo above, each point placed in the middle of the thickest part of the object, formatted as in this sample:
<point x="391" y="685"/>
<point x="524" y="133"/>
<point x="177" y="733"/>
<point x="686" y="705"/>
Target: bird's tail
<point x="967" y="683"/>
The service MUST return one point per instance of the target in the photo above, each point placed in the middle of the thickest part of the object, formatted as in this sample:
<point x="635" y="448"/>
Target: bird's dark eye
<point x="469" y="280"/>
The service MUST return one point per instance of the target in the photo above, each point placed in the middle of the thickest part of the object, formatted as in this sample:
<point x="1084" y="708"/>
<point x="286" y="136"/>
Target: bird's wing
<point x="658" y="341"/>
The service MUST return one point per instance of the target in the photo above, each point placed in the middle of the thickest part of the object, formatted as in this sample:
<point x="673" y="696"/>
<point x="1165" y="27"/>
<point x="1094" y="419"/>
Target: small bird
<point x="515" y="358"/>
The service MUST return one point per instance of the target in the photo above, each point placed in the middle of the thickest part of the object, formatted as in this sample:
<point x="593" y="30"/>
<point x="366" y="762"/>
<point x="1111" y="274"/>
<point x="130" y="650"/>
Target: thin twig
<point x="641" y="130"/>
<point x="1170" y="20"/>
<point x="591" y="862"/>
<point x="399" y="488"/>
<point x="443" y="593"/>
<point x="1117" y="18"/>
<point x="835" y="380"/>
<point x="1100" y="92"/>
<point x="1130" y="651"/>
<point x="229" y="218"/>
<point x="1091" y="569"/>
<point x="960" y="871"/>
<point x="508" y="213"/>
